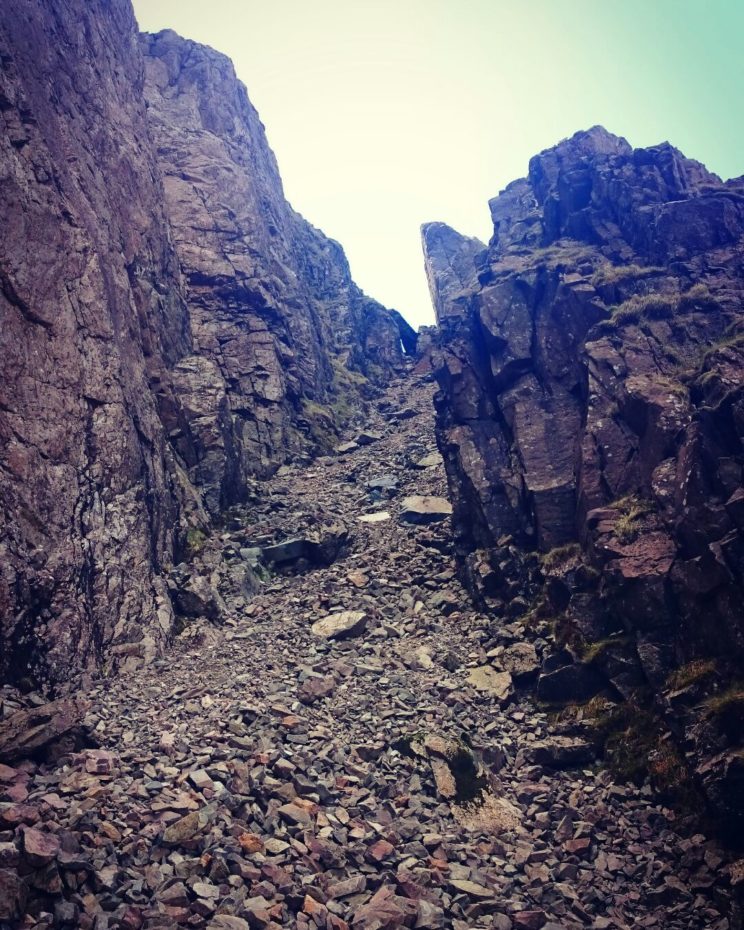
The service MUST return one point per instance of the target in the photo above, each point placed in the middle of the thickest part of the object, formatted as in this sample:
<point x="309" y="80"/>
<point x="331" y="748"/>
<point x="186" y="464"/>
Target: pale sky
<point x="385" y="114"/>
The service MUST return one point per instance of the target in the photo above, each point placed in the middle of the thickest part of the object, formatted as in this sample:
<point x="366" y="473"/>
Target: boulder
<point x="560" y="752"/>
<point x="387" y="483"/>
<point x="13" y="894"/>
<point x="367" y="437"/>
<point x="319" y="547"/>
<point x="485" y="678"/>
<point x="290" y="550"/>
<point x="340" y="625"/>
<point x="29" y="731"/>
<point x="520" y="660"/>
<point x="194" y="595"/>
<point x="573" y="683"/>
<point x="316" y="688"/>
<point x="39" y="848"/>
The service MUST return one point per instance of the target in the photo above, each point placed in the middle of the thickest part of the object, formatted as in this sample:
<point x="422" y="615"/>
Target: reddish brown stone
<point x="380" y="851"/>
<point x="39" y="848"/>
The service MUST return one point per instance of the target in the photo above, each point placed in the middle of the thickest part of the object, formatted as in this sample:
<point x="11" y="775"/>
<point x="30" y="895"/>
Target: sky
<point x="385" y="114"/>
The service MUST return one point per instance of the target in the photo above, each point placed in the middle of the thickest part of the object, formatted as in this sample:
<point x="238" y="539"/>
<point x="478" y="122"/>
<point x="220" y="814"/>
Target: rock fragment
<point x="486" y="678"/>
<point x="423" y="509"/>
<point x="340" y="625"/>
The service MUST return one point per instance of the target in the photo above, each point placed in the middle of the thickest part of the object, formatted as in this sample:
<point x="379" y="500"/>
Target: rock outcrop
<point x="170" y="328"/>
<point x="591" y="416"/>
<point x="275" y="315"/>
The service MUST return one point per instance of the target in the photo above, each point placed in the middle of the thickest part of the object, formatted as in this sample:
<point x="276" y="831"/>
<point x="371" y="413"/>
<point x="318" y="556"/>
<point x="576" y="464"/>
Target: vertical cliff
<point x="276" y="317"/>
<point x="591" y="415"/>
<point x="92" y="316"/>
<point x="135" y="399"/>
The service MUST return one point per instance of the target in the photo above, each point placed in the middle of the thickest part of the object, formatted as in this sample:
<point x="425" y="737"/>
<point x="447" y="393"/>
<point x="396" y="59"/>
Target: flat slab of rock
<point x="226" y="922"/>
<point x="380" y="517"/>
<point x="422" y="509"/>
<point x="346" y="447"/>
<point x="485" y="678"/>
<point x="471" y="888"/>
<point x="287" y="551"/>
<point x="340" y="625"/>
<point x="431" y="460"/>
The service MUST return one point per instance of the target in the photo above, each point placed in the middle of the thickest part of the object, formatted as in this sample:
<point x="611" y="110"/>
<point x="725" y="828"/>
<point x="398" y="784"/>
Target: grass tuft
<point x="590" y="652"/>
<point x="730" y="699"/>
<point x="560" y="556"/>
<point x="656" y="307"/>
<point x="613" y="274"/>
<point x="691" y="673"/>
<point x="631" y="509"/>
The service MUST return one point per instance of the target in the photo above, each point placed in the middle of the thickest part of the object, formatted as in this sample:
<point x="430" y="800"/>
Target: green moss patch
<point x="196" y="539"/>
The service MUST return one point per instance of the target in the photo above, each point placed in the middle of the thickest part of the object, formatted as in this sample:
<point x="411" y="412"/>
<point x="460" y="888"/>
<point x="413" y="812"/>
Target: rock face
<point x="137" y="401"/>
<point x="93" y="317"/>
<point x="274" y="313"/>
<point x="591" y="409"/>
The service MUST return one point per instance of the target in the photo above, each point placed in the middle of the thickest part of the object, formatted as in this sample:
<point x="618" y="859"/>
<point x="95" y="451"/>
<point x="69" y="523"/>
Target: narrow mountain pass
<point x="355" y="747"/>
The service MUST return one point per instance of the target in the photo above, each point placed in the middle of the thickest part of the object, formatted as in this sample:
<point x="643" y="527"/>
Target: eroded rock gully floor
<point x="261" y="776"/>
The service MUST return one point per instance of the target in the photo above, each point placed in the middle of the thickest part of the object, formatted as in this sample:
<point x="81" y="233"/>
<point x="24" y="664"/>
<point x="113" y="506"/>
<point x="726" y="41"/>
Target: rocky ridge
<point x="170" y="328"/>
<point x="355" y="747"/>
<point x="591" y="414"/>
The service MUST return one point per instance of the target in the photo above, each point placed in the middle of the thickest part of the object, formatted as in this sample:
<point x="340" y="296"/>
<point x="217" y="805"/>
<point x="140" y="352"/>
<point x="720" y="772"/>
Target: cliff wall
<point x="591" y="415"/>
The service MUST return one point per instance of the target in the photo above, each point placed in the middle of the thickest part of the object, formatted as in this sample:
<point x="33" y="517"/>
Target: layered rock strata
<point x="591" y="415"/>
